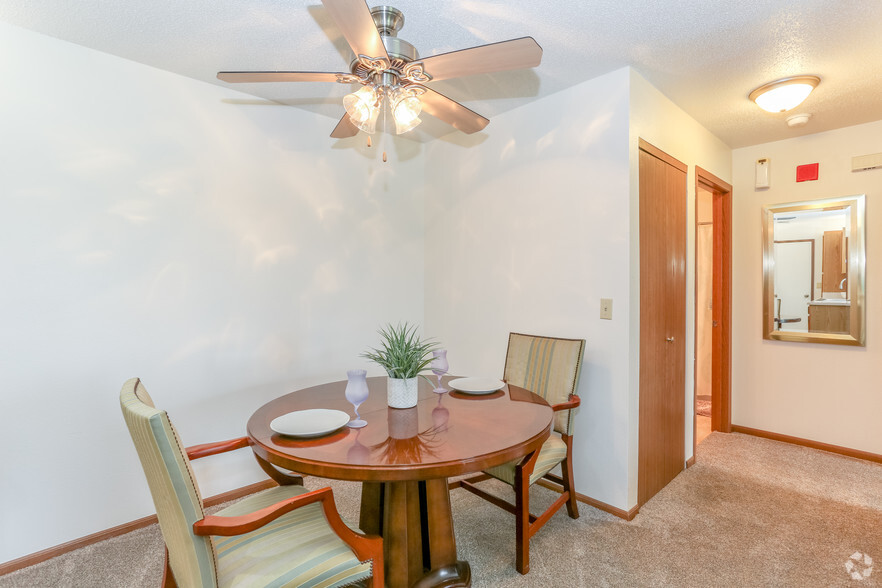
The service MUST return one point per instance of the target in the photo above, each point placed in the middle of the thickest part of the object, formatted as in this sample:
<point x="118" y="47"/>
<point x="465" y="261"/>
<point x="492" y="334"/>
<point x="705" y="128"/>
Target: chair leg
<point x="168" y="579"/>
<point x="522" y="522"/>
<point x="523" y="471"/>
<point x="566" y="469"/>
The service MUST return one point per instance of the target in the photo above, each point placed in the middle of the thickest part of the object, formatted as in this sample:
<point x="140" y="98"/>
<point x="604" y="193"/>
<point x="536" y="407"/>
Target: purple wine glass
<point x="356" y="393"/>
<point x="439" y="368"/>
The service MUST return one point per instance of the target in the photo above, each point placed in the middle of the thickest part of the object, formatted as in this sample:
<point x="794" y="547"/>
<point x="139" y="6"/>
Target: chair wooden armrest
<point x="365" y="547"/>
<point x="206" y="449"/>
<point x="573" y="402"/>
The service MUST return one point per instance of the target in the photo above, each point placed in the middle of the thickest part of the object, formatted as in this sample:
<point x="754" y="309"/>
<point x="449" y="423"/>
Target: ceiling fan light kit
<point x="361" y="106"/>
<point x="784" y="94"/>
<point x="393" y="76"/>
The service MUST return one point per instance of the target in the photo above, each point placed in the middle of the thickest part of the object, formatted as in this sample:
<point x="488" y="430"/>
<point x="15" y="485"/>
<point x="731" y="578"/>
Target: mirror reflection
<point x="814" y="271"/>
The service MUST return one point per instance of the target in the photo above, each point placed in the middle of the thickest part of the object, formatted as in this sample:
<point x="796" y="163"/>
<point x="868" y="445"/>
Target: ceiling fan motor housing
<point x="389" y="21"/>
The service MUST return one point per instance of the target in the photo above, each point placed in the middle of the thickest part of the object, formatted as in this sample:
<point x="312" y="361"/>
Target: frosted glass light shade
<point x="362" y="108"/>
<point x="406" y="110"/>
<point x="784" y="95"/>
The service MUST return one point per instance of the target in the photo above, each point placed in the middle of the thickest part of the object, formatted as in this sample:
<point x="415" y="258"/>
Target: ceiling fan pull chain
<point x="384" y="139"/>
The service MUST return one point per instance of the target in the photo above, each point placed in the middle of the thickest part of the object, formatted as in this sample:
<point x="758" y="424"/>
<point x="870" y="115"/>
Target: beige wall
<point x="665" y="125"/>
<point x="825" y="393"/>
<point x="154" y="227"/>
<point x="529" y="227"/>
<point x="526" y="230"/>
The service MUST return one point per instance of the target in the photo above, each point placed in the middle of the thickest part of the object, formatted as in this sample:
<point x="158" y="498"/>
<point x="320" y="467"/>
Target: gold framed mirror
<point x="814" y="264"/>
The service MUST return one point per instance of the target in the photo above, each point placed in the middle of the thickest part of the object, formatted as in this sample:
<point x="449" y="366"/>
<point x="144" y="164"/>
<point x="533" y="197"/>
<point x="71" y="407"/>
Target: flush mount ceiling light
<point x="785" y="94"/>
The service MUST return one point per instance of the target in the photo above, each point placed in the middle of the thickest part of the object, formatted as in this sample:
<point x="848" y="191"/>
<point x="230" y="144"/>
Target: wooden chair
<point x="283" y="536"/>
<point x="548" y="367"/>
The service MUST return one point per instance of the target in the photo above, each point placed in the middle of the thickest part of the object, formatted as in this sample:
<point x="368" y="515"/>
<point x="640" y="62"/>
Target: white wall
<point x="152" y="227"/>
<point x="657" y="120"/>
<point x="526" y="229"/>
<point x="824" y="393"/>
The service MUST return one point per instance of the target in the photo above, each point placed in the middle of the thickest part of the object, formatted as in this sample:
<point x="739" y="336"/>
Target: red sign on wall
<point x="807" y="172"/>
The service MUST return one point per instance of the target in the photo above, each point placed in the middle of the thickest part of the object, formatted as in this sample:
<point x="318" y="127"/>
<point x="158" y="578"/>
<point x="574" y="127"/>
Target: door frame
<point x="721" y="355"/>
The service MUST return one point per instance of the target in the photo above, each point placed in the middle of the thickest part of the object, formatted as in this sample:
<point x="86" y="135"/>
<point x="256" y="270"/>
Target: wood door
<point x="661" y="446"/>
<point x="834" y="263"/>
<point x="721" y="396"/>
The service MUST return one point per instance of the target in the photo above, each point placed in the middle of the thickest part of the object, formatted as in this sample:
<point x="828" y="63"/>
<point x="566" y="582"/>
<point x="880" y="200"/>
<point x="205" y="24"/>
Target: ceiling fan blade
<point x="451" y="112"/>
<point x="353" y="18"/>
<point x="513" y="54"/>
<point x="344" y="128"/>
<point x="245" y="77"/>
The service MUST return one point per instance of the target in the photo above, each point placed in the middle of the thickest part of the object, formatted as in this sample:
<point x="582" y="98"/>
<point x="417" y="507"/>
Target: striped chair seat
<point x="553" y="451"/>
<point x="297" y="549"/>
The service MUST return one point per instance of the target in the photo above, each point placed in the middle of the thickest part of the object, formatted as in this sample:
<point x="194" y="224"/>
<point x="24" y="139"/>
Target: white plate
<point x="309" y="423"/>
<point x="476" y="385"/>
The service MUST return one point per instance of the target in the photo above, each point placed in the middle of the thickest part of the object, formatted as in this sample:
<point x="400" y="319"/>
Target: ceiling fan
<point x="393" y="76"/>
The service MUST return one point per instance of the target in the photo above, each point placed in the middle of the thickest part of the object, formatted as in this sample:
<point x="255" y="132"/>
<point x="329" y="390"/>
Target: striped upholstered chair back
<point x="547" y="366"/>
<point x="172" y="484"/>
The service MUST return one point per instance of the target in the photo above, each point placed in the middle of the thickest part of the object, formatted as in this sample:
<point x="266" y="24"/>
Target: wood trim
<point x="721" y="418"/>
<point x="691" y="461"/>
<point x="622" y="514"/>
<point x="659" y="154"/>
<point x="46" y="554"/>
<point x="710" y="180"/>
<point x="846" y="451"/>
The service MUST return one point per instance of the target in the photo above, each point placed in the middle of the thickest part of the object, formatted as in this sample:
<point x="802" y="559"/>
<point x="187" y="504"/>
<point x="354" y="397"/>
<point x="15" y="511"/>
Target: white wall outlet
<point x="606" y="308"/>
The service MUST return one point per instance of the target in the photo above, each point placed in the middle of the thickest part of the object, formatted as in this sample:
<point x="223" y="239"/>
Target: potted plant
<point x="403" y="355"/>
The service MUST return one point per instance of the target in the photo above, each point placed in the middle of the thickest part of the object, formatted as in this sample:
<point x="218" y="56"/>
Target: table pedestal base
<point x="458" y="574"/>
<point x="416" y="523"/>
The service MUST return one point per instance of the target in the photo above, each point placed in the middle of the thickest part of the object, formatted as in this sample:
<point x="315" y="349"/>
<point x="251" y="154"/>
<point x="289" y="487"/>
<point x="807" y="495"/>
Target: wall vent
<point x="865" y="162"/>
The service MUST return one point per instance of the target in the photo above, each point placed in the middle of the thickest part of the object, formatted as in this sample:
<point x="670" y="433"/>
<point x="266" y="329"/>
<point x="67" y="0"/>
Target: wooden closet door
<point x="662" y="320"/>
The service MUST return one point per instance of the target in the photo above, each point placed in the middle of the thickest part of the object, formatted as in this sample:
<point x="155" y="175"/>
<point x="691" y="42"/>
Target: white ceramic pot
<point x="402" y="393"/>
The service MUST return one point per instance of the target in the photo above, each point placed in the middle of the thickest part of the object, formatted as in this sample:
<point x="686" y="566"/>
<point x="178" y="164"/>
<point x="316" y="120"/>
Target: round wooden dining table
<point x="403" y="458"/>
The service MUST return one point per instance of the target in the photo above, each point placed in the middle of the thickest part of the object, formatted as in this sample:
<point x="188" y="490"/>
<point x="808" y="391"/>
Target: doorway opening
<point x="713" y="305"/>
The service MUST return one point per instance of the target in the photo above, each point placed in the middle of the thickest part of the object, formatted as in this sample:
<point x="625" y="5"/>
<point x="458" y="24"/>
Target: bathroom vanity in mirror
<point x="814" y="271"/>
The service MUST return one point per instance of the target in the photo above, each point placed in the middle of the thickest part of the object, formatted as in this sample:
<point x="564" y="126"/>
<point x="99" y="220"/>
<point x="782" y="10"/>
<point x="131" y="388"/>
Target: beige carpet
<point x="751" y="512"/>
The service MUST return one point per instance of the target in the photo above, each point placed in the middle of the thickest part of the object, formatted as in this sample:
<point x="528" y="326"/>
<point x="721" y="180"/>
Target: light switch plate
<point x="606" y="308"/>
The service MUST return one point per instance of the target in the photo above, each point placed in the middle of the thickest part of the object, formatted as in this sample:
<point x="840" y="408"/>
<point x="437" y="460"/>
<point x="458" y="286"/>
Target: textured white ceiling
<point x="706" y="55"/>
